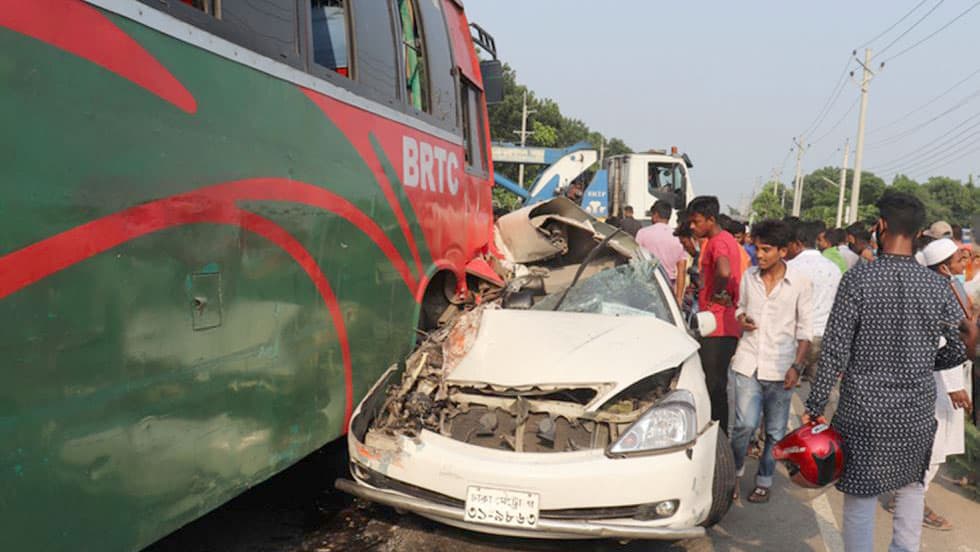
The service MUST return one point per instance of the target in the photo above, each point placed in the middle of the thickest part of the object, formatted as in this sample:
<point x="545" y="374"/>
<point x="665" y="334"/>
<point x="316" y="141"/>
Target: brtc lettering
<point x="429" y="167"/>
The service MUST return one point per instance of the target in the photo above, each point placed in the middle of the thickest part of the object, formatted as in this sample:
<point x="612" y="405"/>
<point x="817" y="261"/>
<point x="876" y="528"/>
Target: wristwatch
<point x="798" y="366"/>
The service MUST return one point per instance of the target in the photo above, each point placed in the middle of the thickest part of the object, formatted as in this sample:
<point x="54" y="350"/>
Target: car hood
<point x="527" y="349"/>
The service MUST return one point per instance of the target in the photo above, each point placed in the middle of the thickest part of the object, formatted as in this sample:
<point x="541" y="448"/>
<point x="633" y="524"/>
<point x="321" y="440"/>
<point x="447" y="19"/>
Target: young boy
<point x="720" y="264"/>
<point x="775" y="312"/>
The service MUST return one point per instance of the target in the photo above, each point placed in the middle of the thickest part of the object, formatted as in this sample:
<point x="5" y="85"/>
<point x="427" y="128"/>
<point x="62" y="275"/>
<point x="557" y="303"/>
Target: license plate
<point x="502" y="507"/>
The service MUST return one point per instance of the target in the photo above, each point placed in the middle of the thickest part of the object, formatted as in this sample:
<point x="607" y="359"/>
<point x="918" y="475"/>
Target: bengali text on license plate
<point x="502" y="507"/>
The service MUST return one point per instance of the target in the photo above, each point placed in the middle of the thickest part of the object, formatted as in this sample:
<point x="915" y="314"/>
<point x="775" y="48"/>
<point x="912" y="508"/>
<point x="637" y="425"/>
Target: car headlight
<point x="670" y="424"/>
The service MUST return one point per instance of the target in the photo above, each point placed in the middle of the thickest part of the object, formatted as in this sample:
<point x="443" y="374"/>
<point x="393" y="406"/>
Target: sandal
<point x="935" y="521"/>
<point x="759" y="495"/>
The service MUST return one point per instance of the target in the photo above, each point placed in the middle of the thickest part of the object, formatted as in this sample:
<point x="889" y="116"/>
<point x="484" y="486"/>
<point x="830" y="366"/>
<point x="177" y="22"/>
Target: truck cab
<point x="641" y="179"/>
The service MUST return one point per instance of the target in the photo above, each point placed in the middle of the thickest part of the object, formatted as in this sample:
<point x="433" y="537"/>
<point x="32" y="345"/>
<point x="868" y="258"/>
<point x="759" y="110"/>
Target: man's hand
<point x="792" y="377"/>
<point x="722" y="298"/>
<point x="746" y="322"/>
<point x="961" y="400"/>
<point x="807" y="419"/>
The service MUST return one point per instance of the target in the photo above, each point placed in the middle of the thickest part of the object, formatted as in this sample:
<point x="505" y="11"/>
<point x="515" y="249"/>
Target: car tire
<point x="723" y="484"/>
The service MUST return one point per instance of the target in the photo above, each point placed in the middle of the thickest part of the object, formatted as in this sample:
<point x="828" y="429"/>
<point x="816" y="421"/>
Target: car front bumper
<point x="546" y="528"/>
<point x="583" y="494"/>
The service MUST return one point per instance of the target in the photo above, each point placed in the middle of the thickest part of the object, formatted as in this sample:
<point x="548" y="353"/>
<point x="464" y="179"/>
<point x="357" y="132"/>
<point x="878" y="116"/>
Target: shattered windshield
<point x="626" y="290"/>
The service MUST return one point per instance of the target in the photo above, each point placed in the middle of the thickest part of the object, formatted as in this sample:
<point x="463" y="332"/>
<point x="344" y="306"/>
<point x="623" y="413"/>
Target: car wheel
<point x="724" y="481"/>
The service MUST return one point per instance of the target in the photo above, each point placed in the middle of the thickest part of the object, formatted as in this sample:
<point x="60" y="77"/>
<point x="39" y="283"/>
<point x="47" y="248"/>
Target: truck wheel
<point x="724" y="481"/>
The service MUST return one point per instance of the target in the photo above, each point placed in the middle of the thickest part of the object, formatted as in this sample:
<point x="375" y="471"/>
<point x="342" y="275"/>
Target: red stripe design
<point x="274" y="233"/>
<point x="34" y="262"/>
<point x="81" y="30"/>
<point x="275" y="189"/>
<point x="46" y="257"/>
<point x="362" y="143"/>
<point x="216" y="205"/>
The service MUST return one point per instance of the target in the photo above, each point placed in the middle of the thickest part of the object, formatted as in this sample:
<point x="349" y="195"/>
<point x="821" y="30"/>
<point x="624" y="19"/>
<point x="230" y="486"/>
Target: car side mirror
<point x="492" y="71"/>
<point x="704" y="323"/>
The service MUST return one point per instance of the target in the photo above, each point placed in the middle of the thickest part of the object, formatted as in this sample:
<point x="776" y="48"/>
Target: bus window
<point x="439" y="63"/>
<point x="473" y="127"/>
<point x="416" y="73"/>
<point x="329" y="21"/>
<point x="210" y="7"/>
<point x="374" y="48"/>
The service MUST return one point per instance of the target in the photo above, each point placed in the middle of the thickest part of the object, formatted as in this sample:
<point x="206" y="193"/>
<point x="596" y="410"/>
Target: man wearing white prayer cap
<point x="945" y="257"/>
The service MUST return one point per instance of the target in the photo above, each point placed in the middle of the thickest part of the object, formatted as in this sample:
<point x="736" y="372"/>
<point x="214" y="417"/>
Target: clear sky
<point x="732" y="83"/>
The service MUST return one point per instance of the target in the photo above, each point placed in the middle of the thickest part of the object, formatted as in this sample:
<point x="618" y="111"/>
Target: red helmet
<point x="813" y="455"/>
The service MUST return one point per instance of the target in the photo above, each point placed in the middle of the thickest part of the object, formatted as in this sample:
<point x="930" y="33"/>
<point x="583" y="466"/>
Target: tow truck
<point x="634" y="179"/>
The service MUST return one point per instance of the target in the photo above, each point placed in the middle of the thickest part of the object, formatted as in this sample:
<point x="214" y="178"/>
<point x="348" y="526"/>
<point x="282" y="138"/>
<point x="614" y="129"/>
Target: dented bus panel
<point x="219" y="224"/>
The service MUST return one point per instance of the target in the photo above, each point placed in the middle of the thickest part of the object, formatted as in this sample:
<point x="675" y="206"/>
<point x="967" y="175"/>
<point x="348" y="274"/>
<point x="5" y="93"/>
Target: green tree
<point x="956" y="199"/>
<point x="944" y="198"/>
<point x="549" y="126"/>
<point x="766" y="204"/>
<point x="544" y="135"/>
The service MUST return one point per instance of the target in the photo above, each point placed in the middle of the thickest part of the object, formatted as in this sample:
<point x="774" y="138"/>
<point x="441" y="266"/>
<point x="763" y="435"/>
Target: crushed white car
<point x="572" y="407"/>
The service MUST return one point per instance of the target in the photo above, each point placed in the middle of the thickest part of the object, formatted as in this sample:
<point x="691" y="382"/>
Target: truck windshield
<point x="627" y="290"/>
<point x="665" y="177"/>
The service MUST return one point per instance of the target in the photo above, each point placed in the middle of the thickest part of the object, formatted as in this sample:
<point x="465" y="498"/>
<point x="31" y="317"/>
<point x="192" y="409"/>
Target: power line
<point x="927" y="104"/>
<point x="899" y="136"/>
<point x="937" y="31"/>
<point x="972" y="148"/>
<point x="840" y="91"/>
<point x="831" y="100"/>
<point x="940" y="160"/>
<point x="931" y="146"/>
<point x="839" y="121"/>
<point x="948" y="161"/>
<point x="829" y="157"/>
<point x="895" y="24"/>
<point x="914" y="25"/>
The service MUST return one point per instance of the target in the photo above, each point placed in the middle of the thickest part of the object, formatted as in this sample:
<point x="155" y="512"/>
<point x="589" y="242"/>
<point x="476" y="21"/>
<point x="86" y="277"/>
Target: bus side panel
<point x="148" y="381"/>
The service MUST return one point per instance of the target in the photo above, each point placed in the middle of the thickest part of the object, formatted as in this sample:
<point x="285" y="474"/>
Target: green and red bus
<point x="220" y="222"/>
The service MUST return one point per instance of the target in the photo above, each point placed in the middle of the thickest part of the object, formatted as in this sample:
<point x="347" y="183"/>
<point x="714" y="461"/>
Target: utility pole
<point x="523" y="134"/>
<point x="843" y="183"/>
<point x="866" y="77"/>
<point x="798" y="183"/>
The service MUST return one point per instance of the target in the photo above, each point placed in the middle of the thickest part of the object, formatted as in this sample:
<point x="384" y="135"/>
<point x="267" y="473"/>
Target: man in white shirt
<point x="823" y="274"/>
<point x="775" y="312"/>
<point x="850" y="257"/>
<point x="945" y="258"/>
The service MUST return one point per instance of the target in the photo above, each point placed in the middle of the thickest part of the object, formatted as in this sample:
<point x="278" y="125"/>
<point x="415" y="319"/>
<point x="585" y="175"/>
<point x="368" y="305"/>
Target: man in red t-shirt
<point x="720" y="268"/>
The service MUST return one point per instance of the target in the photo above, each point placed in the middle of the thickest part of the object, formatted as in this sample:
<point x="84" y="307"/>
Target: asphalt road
<point x="299" y="510"/>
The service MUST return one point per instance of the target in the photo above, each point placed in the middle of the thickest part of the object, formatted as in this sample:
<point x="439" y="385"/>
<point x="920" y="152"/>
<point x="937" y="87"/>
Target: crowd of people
<point x="886" y="313"/>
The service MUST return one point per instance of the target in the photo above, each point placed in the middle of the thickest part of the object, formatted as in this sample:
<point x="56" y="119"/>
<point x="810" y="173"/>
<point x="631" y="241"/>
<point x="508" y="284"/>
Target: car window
<point x="626" y="290"/>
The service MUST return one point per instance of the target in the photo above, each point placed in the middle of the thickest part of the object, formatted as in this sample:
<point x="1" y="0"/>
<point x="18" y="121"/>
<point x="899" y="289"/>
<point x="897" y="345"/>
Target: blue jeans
<point x="753" y="399"/>
<point x="859" y="520"/>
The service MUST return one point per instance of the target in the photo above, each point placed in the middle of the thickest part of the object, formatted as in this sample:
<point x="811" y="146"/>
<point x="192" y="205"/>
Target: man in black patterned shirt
<point x="888" y="320"/>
